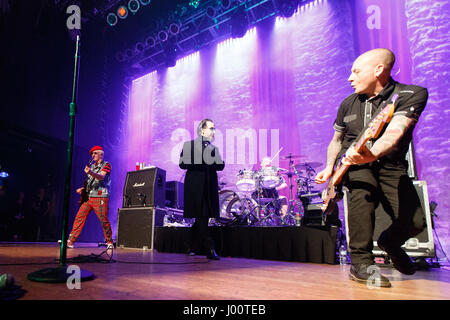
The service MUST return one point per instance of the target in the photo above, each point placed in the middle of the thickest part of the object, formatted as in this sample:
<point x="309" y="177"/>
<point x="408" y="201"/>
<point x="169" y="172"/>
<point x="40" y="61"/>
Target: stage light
<point x="171" y="53"/>
<point x="150" y="41"/>
<point x="120" y="57"/>
<point x="129" y="53"/>
<point x="145" y="2"/>
<point x="122" y="12"/>
<point x="286" y="7"/>
<point x="112" y="19"/>
<point x="134" y="6"/>
<point x="239" y="23"/>
<point x="174" y="29"/>
<point x="225" y="4"/>
<point x="162" y="35"/>
<point x="194" y="3"/>
<point x="211" y="12"/>
<point x="4" y="174"/>
<point x="139" y="47"/>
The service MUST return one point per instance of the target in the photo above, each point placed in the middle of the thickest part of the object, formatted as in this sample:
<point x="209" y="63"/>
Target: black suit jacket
<point x="200" y="184"/>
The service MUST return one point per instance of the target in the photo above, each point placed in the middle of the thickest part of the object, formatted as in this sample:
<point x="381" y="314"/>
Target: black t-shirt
<point x="356" y="111"/>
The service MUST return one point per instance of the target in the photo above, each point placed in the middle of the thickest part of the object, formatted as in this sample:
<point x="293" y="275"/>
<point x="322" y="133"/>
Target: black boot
<point x="398" y="256"/>
<point x="212" y="255"/>
<point x="362" y="274"/>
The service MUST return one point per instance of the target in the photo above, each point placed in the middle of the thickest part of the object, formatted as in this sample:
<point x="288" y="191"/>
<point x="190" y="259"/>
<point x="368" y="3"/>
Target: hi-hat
<point x="292" y="156"/>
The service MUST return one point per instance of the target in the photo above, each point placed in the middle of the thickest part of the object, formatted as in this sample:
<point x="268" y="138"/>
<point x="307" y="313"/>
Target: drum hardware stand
<point x="260" y="207"/>
<point x="290" y="215"/>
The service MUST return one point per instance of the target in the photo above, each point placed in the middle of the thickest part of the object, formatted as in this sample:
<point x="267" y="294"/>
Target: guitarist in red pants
<point x="94" y="196"/>
<point x="377" y="170"/>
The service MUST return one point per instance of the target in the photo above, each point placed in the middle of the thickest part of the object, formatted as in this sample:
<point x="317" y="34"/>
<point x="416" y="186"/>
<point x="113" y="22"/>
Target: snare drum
<point x="269" y="177"/>
<point x="245" y="181"/>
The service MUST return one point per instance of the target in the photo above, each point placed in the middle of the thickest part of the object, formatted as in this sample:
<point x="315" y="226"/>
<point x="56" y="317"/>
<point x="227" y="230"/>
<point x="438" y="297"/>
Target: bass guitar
<point x="84" y="195"/>
<point x="332" y="193"/>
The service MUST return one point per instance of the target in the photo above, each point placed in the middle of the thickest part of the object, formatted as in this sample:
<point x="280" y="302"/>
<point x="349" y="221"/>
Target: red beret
<point x="95" y="148"/>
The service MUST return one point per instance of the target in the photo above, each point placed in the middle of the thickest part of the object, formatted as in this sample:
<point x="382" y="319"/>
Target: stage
<point x="286" y="243"/>
<point x="174" y="276"/>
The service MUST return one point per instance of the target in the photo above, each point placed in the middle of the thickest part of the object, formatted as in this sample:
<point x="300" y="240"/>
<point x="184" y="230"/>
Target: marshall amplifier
<point x="136" y="227"/>
<point x="145" y="188"/>
<point x="422" y="245"/>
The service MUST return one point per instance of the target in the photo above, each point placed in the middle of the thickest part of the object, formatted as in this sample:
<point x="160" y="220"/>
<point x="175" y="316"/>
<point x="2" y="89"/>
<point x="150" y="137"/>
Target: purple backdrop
<point x="281" y="87"/>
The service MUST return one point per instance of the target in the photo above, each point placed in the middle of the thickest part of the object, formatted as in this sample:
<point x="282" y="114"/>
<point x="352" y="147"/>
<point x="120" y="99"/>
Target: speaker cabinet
<point x="136" y="227"/>
<point x="421" y="245"/>
<point x="145" y="188"/>
<point x="175" y="194"/>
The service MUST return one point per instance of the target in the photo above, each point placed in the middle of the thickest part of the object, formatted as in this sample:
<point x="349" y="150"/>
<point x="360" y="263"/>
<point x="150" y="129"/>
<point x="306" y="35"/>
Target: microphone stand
<point x="60" y="274"/>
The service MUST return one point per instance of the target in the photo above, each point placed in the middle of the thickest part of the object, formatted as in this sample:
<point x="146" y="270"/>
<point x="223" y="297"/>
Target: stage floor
<point x="180" y="277"/>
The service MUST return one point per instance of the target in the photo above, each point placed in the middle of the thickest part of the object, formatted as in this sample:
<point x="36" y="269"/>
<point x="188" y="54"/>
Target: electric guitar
<point x="332" y="193"/>
<point x="84" y="195"/>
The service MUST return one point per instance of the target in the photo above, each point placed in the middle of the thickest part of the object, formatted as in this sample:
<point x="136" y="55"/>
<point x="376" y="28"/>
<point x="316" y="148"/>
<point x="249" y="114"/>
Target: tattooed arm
<point x="385" y="144"/>
<point x="333" y="150"/>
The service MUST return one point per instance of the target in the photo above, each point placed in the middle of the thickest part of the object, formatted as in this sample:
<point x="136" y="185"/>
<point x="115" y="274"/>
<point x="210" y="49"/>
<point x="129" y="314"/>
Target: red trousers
<point x="100" y="207"/>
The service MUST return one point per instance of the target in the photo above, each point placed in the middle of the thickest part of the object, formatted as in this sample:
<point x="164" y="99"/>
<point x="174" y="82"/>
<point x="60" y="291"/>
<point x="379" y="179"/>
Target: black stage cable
<point x="98" y="258"/>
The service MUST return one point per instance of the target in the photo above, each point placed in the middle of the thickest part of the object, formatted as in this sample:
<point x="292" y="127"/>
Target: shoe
<point x="398" y="256"/>
<point x="191" y="252"/>
<point x="69" y="243"/>
<point x="362" y="274"/>
<point x="212" y="255"/>
<point x="109" y="246"/>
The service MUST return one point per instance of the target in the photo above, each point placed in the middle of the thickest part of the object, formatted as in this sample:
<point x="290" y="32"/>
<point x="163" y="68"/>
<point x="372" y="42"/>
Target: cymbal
<point x="295" y="156"/>
<point x="287" y="173"/>
<point x="304" y="165"/>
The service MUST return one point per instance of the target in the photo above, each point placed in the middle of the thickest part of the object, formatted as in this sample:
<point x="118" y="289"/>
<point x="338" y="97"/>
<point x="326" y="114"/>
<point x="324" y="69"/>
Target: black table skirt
<point x="303" y="244"/>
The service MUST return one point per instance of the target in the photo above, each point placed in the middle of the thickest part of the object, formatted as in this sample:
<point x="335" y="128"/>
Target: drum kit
<point x="246" y="203"/>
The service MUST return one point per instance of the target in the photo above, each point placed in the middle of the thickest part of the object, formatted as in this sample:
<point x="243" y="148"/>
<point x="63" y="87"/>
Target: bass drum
<point x="225" y="198"/>
<point x="242" y="207"/>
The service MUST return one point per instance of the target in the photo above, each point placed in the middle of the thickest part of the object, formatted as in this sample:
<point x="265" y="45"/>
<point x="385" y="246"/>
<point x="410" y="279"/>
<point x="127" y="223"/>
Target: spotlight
<point x="145" y="2"/>
<point x="239" y="23"/>
<point x="162" y="35"/>
<point x="120" y="57"/>
<point x="194" y="3"/>
<point x="111" y="18"/>
<point x="286" y="7"/>
<point x="129" y="53"/>
<point x="211" y="12"/>
<point x="174" y="29"/>
<point x="150" y="41"/>
<point x="140" y="47"/>
<point x="225" y="4"/>
<point x="134" y="6"/>
<point x="4" y="174"/>
<point x="171" y="53"/>
<point x="122" y="12"/>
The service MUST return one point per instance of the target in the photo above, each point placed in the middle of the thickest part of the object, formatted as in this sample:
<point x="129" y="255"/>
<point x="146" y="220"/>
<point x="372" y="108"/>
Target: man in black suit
<point x="202" y="160"/>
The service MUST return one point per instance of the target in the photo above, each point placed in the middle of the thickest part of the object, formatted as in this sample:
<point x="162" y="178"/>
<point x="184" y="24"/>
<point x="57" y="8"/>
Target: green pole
<point x="59" y="274"/>
<point x="72" y="114"/>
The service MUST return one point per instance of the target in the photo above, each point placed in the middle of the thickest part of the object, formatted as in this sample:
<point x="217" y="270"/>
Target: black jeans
<point x="386" y="184"/>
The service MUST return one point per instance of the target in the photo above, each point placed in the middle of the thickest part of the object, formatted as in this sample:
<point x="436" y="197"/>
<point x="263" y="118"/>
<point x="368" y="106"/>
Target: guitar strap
<point x="380" y="107"/>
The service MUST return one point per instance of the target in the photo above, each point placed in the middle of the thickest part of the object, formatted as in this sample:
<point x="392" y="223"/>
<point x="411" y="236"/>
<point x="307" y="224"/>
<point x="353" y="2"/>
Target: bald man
<point x="378" y="174"/>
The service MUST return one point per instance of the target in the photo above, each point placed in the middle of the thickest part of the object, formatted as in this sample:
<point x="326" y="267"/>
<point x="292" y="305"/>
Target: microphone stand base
<point x="58" y="275"/>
